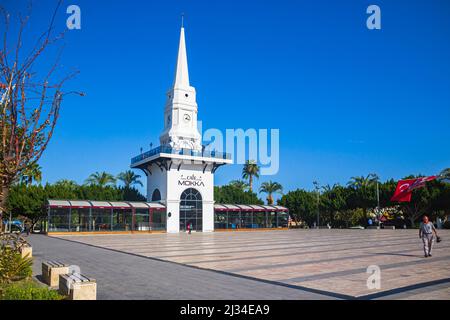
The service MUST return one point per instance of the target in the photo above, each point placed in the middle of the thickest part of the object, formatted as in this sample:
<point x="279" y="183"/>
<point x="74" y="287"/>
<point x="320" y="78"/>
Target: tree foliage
<point x="232" y="194"/>
<point x="352" y="205"/>
<point x="29" y="101"/>
<point x="269" y="188"/>
<point x="250" y="171"/>
<point x="129" y="179"/>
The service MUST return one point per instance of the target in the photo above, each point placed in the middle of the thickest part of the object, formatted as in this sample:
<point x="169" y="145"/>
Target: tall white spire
<point x="181" y="73"/>
<point x="180" y="113"/>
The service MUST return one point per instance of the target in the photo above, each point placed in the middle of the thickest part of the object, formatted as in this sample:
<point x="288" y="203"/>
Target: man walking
<point x="426" y="234"/>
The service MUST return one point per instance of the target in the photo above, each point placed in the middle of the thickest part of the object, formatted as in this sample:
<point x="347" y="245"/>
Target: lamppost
<point x="317" y="187"/>
<point x="378" y="203"/>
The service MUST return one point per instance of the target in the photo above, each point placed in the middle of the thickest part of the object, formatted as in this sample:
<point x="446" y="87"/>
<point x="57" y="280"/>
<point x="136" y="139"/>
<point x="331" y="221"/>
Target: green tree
<point x="28" y="201"/>
<point x="362" y="193"/>
<point x="302" y="205"/>
<point x="233" y="195"/>
<point x="332" y="201"/>
<point x="101" y="179"/>
<point x="129" y="179"/>
<point x="250" y="170"/>
<point x="131" y="194"/>
<point x="270" y="187"/>
<point x="240" y="184"/>
<point x="363" y="181"/>
<point x="67" y="184"/>
<point x="425" y="200"/>
<point x="32" y="173"/>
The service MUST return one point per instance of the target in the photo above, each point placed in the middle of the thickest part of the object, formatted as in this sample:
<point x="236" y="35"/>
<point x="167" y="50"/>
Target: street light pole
<point x="378" y="202"/>
<point x="316" y="184"/>
<point x="318" y="210"/>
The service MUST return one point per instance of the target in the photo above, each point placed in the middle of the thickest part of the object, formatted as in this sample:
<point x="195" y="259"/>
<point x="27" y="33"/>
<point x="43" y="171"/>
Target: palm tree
<point x="66" y="184"/>
<point x="129" y="179"/>
<point x="240" y="184"/>
<point x="250" y="170"/>
<point x="270" y="187"/>
<point x="100" y="179"/>
<point x="31" y="173"/>
<point x="362" y="182"/>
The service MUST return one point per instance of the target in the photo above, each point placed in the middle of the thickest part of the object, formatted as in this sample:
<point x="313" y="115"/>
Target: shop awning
<point x="154" y="205"/>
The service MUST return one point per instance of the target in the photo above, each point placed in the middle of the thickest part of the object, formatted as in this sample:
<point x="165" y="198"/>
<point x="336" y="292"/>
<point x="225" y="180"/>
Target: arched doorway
<point x="191" y="209"/>
<point x="156" y="196"/>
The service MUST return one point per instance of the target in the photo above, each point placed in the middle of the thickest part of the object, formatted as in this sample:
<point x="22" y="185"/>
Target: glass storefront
<point x="158" y="220"/>
<point x="234" y="220"/>
<point x="221" y="220"/>
<point x="250" y="219"/>
<point x="142" y="220"/>
<point x="142" y="217"/>
<point x="283" y="219"/>
<point x="152" y="216"/>
<point x="122" y="219"/>
<point x="260" y="219"/>
<point x="79" y="219"/>
<point x="101" y="220"/>
<point x="58" y="220"/>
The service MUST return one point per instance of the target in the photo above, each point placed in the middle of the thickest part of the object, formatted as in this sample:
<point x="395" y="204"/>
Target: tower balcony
<point x="182" y="154"/>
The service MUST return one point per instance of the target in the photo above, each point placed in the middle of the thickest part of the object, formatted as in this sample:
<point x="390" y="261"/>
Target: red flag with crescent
<point x="405" y="187"/>
<point x="402" y="192"/>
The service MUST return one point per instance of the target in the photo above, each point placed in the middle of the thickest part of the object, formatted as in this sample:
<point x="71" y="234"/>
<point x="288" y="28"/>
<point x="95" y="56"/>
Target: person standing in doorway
<point x="426" y="234"/>
<point x="189" y="226"/>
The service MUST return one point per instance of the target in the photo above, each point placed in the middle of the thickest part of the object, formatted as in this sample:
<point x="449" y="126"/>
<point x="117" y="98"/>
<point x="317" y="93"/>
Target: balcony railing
<point x="186" y="152"/>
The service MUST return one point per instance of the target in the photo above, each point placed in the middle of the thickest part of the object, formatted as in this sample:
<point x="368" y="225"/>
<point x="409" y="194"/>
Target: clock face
<point x="187" y="117"/>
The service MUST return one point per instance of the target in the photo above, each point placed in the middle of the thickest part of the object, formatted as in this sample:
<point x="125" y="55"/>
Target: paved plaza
<point x="294" y="264"/>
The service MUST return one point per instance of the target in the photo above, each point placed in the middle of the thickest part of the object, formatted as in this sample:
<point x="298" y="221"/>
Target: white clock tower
<point x="180" y="173"/>
<point x="180" y="113"/>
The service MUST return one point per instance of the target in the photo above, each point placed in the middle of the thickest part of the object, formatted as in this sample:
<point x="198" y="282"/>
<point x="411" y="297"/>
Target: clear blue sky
<point x="348" y="101"/>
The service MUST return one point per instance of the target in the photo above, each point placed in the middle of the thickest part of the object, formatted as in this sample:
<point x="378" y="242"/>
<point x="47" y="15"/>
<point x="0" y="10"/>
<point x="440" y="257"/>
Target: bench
<point x="77" y="287"/>
<point x="51" y="271"/>
<point x="26" y="251"/>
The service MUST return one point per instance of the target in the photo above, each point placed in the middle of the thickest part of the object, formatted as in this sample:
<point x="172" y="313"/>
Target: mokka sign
<point x="191" y="181"/>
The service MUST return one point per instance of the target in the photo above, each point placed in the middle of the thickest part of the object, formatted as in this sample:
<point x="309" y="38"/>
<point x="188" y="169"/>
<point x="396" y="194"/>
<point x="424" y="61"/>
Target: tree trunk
<point x="3" y="198"/>
<point x="412" y="220"/>
<point x="269" y="200"/>
<point x="250" y="183"/>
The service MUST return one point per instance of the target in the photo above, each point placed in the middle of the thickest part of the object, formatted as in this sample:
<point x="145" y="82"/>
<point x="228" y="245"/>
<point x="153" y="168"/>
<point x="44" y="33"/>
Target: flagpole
<point x="378" y="195"/>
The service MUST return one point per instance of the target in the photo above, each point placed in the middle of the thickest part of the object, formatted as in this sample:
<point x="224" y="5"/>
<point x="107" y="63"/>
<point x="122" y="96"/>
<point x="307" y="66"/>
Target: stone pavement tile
<point x="125" y="276"/>
<point x="333" y="260"/>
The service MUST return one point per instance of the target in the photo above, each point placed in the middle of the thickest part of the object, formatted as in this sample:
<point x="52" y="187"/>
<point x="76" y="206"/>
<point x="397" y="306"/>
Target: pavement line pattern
<point x="328" y="262"/>
<point x="123" y="275"/>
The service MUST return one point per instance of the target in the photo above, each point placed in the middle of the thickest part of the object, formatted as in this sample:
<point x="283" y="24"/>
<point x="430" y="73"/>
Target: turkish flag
<point x="402" y="192"/>
<point x="405" y="187"/>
